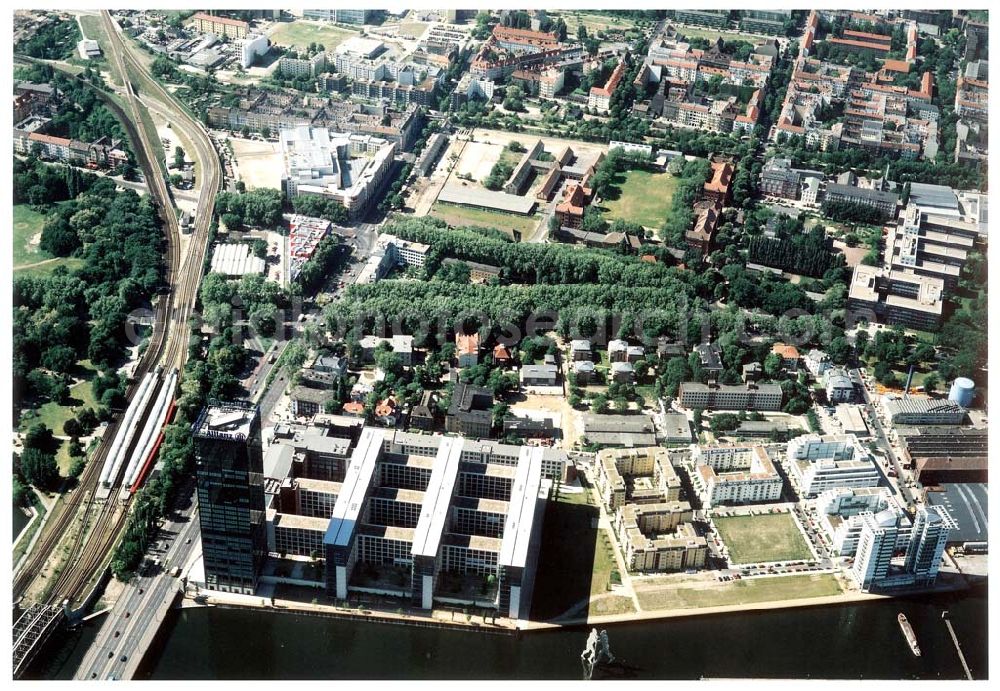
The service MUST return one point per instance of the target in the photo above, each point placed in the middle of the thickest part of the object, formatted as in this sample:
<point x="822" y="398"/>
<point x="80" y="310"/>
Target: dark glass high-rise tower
<point x="229" y="471"/>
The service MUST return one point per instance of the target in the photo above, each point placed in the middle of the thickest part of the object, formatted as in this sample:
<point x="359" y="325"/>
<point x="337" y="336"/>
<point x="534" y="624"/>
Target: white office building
<point x="250" y="47"/>
<point x="822" y="463"/>
<point x="349" y="168"/>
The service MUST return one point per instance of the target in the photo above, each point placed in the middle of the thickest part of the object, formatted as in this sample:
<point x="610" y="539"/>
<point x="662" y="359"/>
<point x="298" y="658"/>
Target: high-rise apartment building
<point x="877" y="547"/>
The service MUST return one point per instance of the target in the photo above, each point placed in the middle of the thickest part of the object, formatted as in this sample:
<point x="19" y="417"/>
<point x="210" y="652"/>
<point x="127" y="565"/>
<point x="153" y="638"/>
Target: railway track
<point x="168" y="344"/>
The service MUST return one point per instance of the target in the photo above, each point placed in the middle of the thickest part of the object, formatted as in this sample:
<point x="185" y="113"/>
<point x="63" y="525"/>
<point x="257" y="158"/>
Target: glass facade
<point x="229" y="473"/>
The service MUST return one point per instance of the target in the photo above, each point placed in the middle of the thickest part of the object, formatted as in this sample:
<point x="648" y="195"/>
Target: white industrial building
<point x="922" y="411"/>
<point x="236" y="259"/>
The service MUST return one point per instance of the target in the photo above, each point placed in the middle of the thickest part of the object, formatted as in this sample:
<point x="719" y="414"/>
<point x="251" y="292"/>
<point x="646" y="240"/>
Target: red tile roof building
<point x="570" y="210"/>
<point x="718" y="187"/>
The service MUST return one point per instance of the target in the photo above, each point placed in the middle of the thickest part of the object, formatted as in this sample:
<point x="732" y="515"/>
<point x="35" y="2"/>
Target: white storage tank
<point x="963" y="390"/>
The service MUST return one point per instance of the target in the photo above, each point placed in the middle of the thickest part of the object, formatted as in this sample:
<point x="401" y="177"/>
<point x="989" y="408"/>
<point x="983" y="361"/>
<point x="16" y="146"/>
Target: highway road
<point x="132" y="623"/>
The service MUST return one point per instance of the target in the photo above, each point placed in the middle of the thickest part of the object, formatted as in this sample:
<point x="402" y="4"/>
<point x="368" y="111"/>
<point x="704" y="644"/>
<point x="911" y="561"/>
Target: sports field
<point x="769" y="537"/>
<point x="643" y="198"/>
<point x="299" y="34"/>
<point x="743" y="592"/>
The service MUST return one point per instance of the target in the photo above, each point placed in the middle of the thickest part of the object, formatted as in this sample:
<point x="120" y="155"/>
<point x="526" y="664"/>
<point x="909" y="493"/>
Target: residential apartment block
<point x="875" y="566"/>
<point x="729" y="397"/>
<point x="734" y="474"/>
<point x="640" y="475"/>
<point x="220" y="26"/>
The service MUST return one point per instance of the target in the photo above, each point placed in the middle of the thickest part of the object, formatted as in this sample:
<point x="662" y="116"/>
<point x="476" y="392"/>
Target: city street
<point x="128" y="628"/>
<point x="899" y="482"/>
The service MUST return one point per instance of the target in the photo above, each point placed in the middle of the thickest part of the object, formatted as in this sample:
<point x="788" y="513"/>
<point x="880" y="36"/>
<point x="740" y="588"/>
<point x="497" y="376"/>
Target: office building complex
<point x="348" y="168"/>
<point x="764" y="21"/>
<point x="229" y="474"/>
<point x="823" y="463"/>
<point x="882" y="201"/>
<point x="897" y="297"/>
<point x="929" y="244"/>
<point x="421" y="517"/>
<point x="733" y="474"/>
<point x="714" y="18"/>
<point x="341" y="16"/>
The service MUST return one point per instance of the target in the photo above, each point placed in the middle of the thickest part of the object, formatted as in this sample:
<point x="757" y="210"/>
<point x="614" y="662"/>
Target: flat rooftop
<point x="291" y="520"/>
<point x="357" y="480"/>
<point x="232" y="420"/>
<point x="475" y="196"/>
<point x="521" y="511"/>
<point x="436" y="506"/>
<point x="967" y="504"/>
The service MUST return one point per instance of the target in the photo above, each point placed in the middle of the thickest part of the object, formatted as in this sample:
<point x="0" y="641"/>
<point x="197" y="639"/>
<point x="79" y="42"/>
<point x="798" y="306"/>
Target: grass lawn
<point x="299" y="34"/>
<point x="648" y="392"/>
<point x="594" y="22"/>
<point x="712" y="34"/>
<point x="49" y="266"/>
<point x="455" y="215"/>
<point x="63" y="459"/>
<point x="54" y="415"/>
<point x="746" y="591"/>
<point x="577" y="559"/>
<point x="27" y="223"/>
<point x="769" y="537"/>
<point x="412" y="29"/>
<point x="644" y="198"/>
<point x="93" y="27"/>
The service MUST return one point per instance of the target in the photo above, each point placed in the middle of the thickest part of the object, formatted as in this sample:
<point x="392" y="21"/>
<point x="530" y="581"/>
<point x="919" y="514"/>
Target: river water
<point x="843" y="642"/>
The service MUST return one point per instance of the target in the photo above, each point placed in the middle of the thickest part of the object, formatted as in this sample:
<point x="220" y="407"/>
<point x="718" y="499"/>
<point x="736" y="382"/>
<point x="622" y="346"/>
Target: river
<point x="844" y="642"/>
